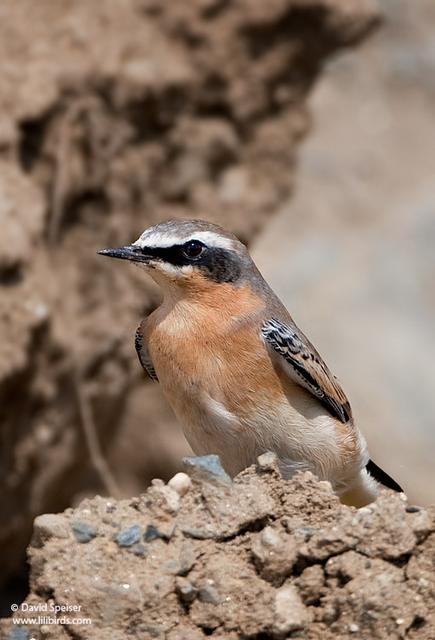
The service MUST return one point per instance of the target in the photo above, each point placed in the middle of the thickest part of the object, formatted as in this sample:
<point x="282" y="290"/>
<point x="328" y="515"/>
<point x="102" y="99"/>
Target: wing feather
<point x="306" y="367"/>
<point x="143" y="355"/>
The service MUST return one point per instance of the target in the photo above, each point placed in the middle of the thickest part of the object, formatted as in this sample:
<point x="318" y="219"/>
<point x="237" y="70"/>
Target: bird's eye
<point x="193" y="248"/>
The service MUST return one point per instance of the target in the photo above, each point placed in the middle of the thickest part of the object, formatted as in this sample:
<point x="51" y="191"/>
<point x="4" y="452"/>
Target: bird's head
<point x="188" y="253"/>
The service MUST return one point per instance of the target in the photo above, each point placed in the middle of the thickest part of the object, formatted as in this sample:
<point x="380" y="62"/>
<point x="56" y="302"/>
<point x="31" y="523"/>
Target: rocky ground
<point x="114" y="115"/>
<point x="257" y="558"/>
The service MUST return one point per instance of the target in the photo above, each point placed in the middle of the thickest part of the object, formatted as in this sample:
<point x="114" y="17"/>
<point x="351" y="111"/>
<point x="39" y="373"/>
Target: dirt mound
<point x="255" y="558"/>
<point x="114" y="115"/>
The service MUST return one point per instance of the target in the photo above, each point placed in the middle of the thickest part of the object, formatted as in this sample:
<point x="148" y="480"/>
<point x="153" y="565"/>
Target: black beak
<point x="129" y="252"/>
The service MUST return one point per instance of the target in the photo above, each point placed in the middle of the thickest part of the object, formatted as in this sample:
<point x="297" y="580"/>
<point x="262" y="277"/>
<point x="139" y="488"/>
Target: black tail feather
<point x="382" y="477"/>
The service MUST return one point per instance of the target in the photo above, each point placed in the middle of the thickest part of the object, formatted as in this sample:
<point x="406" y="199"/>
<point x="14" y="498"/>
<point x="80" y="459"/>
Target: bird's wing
<point x="305" y="366"/>
<point x="143" y="355"/>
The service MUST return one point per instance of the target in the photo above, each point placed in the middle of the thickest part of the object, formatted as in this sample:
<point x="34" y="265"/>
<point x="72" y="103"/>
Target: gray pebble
<point x="83" y="531"/>
<point x="412" y="509"/>
<point x="209" y="593"/>
<point x="18" y="633"/>
<point x="304" y="532"/>
<point x="205" y="533"/>
<point x="139" y="549"/>
<point x="152" y="533"/>
<point x="129" y="536"/>
<point x="206" y="469"/>
<point x="185" y="590"/>
<point x="187" y="558"/>
<point x="49" y="525"/>
<point x="290" y="613"/>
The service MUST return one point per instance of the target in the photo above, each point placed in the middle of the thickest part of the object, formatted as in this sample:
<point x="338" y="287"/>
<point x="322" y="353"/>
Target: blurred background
<point x="263" y="117"/>
<point x="353" y="253"/>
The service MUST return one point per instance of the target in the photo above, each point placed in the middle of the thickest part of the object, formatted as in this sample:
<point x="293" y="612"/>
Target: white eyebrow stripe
<point x="164" y="240"/>
<point x="212" y="239"/>
<point x="156" y="239"/>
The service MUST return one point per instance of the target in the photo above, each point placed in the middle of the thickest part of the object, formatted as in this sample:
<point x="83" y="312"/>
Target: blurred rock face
<point x="353" y="255"/>
<point x="114" y="116"/>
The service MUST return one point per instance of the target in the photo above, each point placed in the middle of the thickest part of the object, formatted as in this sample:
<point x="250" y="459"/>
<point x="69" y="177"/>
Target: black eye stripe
<point x="175" y="254"/>
<point x="220" y="265"/>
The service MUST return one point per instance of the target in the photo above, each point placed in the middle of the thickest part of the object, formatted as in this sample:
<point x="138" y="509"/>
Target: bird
<point x="239" y="374"/>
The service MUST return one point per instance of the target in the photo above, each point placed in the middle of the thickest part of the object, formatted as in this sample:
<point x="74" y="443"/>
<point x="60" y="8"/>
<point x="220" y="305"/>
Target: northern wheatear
<point x="239" y="374"/>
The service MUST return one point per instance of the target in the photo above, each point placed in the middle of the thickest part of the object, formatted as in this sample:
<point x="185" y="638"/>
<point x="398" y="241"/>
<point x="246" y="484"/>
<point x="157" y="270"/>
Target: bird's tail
<point x="366" y="487"/>
<point x="383" y="478"/>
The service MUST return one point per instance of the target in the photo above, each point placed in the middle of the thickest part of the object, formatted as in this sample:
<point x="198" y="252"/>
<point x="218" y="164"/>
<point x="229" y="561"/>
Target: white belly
<point x="210" y="427"/>
<point x="300" y="443"/>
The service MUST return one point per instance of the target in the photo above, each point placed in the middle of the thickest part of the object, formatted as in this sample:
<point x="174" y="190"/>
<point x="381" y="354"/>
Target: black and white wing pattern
<point x="143" y="355"/>
<point x="306" y="367"/>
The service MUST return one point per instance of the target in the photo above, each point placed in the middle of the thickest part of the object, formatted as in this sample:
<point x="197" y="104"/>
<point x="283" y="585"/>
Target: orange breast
<point x="213" y="343"/>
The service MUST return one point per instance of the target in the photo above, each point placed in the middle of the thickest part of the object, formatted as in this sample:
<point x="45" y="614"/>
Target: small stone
<point x="353" y="628"/>
<point x="209" y="593"/>
<point x="329" y="613"/>
<point x="187" y="558"/>
<point x="83" y="531"/>
<point x="152" y="533"/>
<point x="185" y="589"/>
<point x="270" y="537"/>
<point x="304" y="533"/>
<point x="290" y="612"/>
<point x="18" y="633"/>
<point x="171" y="499"/>
<point x="268" y="462"/>
<point x="207" y="469"/>
<point x="208" y="531"/>
<point x="275" y="553"/>
<point x="129" y="536"/>
<point x="49" y="525"/>
<point x="181" y="483"/>
<point x="139" y="549"/>
<point x="412" y="509"/>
